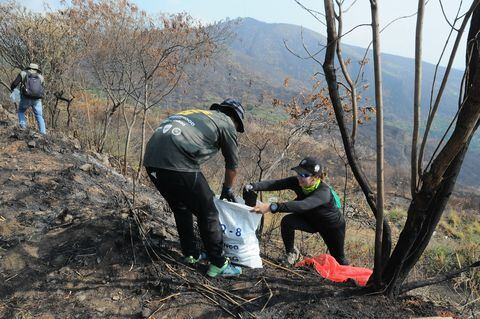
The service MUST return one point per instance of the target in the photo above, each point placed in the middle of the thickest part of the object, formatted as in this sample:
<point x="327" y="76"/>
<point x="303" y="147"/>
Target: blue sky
<point x="397" y="39"/>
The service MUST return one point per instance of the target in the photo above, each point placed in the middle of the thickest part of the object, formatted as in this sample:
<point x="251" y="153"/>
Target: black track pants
<point x="334" y="237"/>
<point x="188" y="193"/>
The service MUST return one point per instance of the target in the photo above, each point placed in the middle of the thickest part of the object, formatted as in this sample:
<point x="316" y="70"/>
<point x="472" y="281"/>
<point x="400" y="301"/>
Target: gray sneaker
<point x="291" y="258"/>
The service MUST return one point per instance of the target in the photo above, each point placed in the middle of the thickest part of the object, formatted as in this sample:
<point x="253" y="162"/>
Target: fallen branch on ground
<point x="438" y="279"/>
<point x="269" y="297"/>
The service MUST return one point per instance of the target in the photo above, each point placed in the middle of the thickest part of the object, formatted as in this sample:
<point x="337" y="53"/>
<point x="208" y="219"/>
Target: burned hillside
<point x="72" y="246"/>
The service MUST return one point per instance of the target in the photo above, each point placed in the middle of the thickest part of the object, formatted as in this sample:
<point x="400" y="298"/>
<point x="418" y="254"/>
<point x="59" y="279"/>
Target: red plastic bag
<point x="330" y="269"/>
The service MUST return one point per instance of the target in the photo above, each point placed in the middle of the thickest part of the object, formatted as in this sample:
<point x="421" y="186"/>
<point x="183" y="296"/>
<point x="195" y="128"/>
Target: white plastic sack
<point x="15" y="96"/>
<point x="240" y="242"/>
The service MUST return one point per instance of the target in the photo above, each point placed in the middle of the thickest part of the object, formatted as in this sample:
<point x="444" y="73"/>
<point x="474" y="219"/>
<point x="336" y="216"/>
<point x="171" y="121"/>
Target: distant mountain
<point x="261" y="48"/>
<point x="258" y="62"/>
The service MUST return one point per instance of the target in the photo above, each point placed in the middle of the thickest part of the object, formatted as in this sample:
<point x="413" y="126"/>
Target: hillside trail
<point x="72" y="247"/>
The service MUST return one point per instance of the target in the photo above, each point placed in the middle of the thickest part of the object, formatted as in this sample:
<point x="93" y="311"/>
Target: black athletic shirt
<point x="319" y="202"/>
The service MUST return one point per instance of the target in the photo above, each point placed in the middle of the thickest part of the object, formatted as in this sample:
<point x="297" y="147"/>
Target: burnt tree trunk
<point x="429" y="202"/>
<point x="333" y="90"/>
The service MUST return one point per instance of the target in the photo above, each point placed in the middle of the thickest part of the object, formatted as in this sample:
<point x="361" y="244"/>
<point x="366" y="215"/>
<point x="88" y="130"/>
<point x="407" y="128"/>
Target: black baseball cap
<point x="309" y="165"/>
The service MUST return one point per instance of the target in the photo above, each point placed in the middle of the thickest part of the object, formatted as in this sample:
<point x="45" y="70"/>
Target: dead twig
<point x="168" y="297"/>
<point x="223" y="292"/>
<point x="469" y="303"/>
<point x="283" y="268"/>
<point x="131" y="243"/>
<point x="270" y="295"/>
<point x="253" y="299"/>
<point x="257" y="283"/>
<point x="219" y="305"/>
<point x="228" y="296"/>
<point x="161" y="306"/>
<point x="246" y="287"/>
<point x="9" y="278"/>
<point x="158" y="309"/>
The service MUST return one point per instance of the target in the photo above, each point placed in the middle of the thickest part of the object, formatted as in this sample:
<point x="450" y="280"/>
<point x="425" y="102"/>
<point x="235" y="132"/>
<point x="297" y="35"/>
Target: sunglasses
<point x="304" y="175"/>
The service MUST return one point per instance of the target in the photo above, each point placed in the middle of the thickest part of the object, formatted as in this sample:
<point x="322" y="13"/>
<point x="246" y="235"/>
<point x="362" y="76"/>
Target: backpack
<point x="32" y="86"/>
<point x="338" y="202"/>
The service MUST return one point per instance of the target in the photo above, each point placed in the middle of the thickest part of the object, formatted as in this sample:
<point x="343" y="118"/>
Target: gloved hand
<point x="249" y="196"/>
<point x="227" y="193"/>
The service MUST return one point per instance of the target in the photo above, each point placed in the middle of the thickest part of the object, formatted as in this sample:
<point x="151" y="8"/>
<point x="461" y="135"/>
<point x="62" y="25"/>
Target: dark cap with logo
<point x="309" y="165"/>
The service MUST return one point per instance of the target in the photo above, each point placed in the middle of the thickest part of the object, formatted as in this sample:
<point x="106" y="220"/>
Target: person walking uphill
<point x="31" y="92"/>
<point x="316" y="209"/>
<point x="173" y="157"/>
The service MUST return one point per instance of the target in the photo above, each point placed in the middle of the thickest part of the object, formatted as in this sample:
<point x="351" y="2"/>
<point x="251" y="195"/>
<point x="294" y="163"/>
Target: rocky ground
<point x="71" y="247"/>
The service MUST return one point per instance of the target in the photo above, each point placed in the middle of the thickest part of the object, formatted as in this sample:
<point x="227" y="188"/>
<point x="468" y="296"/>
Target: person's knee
<point x="180" y="210"/>
<point x="211" y="221"/>
<point x="37" y="110"/>
<point x="22" y="108"/>
<point x="286" y="222"/>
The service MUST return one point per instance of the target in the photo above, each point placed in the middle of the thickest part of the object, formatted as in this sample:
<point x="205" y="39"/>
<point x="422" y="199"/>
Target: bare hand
<point x="261" y="208"/>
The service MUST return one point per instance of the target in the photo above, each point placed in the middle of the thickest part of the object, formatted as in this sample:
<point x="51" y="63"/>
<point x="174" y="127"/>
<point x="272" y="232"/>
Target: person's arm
<point x="272" y="185"/>
<point x="275" y="184"/>
<point x="318" y="198"/>
<point x="230" y="175"/>
<point x="227" y="191"/>
<point x="16" y="82"/>
<point x="229" y="147"/>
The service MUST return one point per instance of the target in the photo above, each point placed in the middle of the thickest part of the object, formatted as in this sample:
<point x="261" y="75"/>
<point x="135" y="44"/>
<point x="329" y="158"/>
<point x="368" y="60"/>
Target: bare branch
<point x="444" y="81"/>
<point x="352" y="86"/>
<point x="312" y="12"/>
<point x="452" y="25"/>
<point x="417" y="97"/>
<point x="438" y="279"/>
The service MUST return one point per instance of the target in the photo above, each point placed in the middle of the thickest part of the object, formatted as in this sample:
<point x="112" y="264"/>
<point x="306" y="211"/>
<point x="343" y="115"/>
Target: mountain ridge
<point x="256" y="65"/>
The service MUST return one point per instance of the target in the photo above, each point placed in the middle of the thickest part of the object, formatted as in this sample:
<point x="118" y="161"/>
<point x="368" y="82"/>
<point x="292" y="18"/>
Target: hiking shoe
<point x="227" y="270"/>
<point x="190" y="260"/>
<point x="291" y="258"/>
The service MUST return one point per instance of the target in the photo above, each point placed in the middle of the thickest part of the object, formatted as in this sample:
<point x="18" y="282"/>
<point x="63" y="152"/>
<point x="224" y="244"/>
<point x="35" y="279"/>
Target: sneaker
<point x="190" y="260"/>
<point x="227" y="270"/>
<point x="291" y="258"/>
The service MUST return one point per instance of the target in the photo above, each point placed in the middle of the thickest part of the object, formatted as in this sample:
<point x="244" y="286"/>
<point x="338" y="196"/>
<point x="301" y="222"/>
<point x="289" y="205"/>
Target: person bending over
<point x="173" y="157"/>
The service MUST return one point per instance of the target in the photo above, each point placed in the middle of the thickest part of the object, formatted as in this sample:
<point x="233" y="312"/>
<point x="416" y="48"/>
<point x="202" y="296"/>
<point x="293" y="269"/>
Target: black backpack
<point x="32" y="86"/>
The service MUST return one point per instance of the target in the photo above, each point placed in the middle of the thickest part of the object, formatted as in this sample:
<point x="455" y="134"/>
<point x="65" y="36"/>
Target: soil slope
<point x="72" y="247"/>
